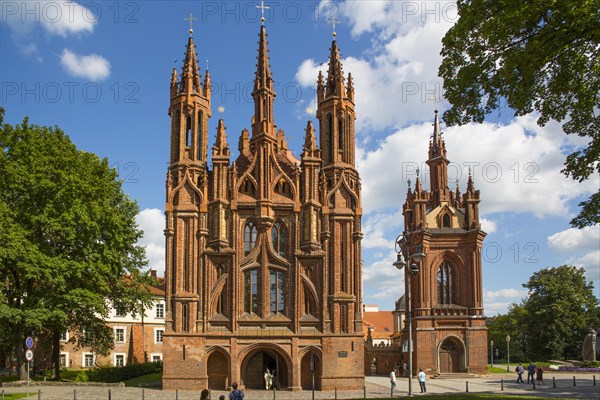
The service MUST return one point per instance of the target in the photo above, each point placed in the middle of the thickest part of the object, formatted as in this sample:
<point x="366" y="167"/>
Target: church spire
<point x="263" y="92"/>
<point x="190" y="75"/>
<point x="438" y="165"/>
<point x="221" y="148"/>
<point x="335" y="76"/>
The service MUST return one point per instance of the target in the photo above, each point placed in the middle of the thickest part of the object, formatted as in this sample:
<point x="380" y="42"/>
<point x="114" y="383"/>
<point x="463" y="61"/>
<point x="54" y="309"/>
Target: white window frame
<point x="162" y="336"/>
<point x="66" y="354"/>
<point x="66" y="339"/>
<point x="124" y="355"/>
<point x="124" y="334"/>
<point x="83" y="360"/>
<point x="159" y="355"/>
<point x="162" y="308"/>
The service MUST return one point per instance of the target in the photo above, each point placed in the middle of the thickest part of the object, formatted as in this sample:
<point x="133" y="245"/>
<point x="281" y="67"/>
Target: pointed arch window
<point x="188" y="131"/>
<point x="250" y="233"/>
<point x="331" y="136"/>
<point x="446" y="284"/>
<point x="446" y="221"/>
<point x="278" y="234"/>
<point x="341" y="133"/>
<point x="251" y="291"/>
<point x="200" y="125"/>
<point x="277" y="292"/>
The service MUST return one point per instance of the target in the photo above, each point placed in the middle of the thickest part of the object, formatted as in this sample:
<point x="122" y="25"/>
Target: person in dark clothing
<point x="236" y="394"/>
<point x="530" y="373"/>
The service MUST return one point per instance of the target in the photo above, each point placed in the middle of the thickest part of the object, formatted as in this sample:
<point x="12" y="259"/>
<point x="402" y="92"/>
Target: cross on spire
<point x="333" y="21"/>
<point x="262" y="11"/>
<point x="191" y="19"/>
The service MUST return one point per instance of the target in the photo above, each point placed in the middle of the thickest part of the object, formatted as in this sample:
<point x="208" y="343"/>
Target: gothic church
<point x="263" y="254"/>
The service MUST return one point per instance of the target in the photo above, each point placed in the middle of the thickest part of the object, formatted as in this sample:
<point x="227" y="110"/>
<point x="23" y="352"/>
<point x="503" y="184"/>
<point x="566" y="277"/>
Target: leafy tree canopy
<point x="560" y="309"/>
<point x="539" y="56"/>
<point x="67" y="239"/>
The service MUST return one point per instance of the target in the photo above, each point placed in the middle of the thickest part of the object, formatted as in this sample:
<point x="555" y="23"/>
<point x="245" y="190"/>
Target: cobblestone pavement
<point x="376" y="386"/>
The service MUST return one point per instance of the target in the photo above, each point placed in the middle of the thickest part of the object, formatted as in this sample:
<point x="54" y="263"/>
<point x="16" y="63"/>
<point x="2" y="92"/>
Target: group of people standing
<point x="533" y="372"/>
<point x="421" y="377"/>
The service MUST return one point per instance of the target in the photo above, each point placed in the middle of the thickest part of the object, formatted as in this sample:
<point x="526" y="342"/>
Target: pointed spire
<point x="310" y="142"/>
<point x="470" y="183"/>
<point x="174" y="83"/>
<point x="221" y="148"/>
<point x="335" y="76"/>
<point x="320" y="88"/>
<point x="350" y="86"/>
<point x="263" y="93"/>
<point x="263" y="78"/>
<point x="437" y="142"/>
<point x="207" y="85"/>
<point x="190" y="75"/>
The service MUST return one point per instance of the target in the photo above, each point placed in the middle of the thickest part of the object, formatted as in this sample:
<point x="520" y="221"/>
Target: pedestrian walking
<point x="393" y="379"/>
<point x="539" y="375"/>
<point x="422" y="381"/>
<point x="404" y="370"/>
<point x="519" y="370"/>
<point x="236" y="394"/>
<point x="530" y="372"/>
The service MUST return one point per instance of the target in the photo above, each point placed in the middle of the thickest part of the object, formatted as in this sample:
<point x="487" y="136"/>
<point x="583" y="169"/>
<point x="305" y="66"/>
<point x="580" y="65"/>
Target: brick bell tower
<point x="449" y="331"/>
<point x="263" y="258"/>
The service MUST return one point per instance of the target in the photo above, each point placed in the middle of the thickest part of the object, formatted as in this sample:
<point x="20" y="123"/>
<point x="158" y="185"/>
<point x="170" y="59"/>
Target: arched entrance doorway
<point x="217" y="369"/>
<point x="254" y="365"/>
<point x="309" y="361"/>
<point x="451" y="354"/>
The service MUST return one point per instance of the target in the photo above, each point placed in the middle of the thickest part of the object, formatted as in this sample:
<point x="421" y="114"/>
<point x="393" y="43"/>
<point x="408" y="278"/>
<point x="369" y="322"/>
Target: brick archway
<point x="451" y="355"/>
<point x="254" y="364"/>
<point x="217" y="368"/>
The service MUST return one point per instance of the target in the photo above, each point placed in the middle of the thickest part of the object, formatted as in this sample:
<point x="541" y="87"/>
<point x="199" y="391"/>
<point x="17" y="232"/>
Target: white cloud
<point x="574" y="239"/>
<point x="492" y="300"/>
<point x="60" y="18"/>
<point x="92" y="67"/>
<point x="152" y="222"/>
<point x="488" y="225"/>
<point x="382" y="281"/>
<point x="582" y="246"/>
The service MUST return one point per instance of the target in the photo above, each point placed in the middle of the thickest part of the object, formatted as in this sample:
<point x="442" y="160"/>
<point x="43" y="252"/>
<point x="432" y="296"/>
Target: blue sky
<point x="100" y="71"/>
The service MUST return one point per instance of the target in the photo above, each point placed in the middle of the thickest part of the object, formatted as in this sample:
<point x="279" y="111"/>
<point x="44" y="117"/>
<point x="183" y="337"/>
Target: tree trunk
<point x="20" y="353"/>
<point x="56" y="355"/>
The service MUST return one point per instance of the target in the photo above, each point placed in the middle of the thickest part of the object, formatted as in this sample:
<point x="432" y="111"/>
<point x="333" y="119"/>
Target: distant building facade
<point x="449" y="330"/>
<point x="263" y="255"/>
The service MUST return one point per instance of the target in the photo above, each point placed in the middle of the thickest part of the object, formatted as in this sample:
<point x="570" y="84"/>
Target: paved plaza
<point x="376" y="387"/>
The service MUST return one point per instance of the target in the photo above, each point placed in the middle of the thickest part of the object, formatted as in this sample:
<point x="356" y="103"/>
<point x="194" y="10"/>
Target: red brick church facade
<point x="449" y="332"/>
<point x="263" y="259"/>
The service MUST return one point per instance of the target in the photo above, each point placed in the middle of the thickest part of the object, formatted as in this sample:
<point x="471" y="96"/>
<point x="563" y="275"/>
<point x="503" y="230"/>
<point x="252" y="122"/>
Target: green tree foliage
<point x="67" y="241"/>
<point x="511" y="325"/>
<point x="559" y="311"/>
<point x="539" y="56"/>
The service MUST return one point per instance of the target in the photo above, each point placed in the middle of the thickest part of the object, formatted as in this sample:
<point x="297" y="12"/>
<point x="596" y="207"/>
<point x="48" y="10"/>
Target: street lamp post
<point x="413" y="269"/>
<point x="507" y="353"/>
<point x="492" y="353"/>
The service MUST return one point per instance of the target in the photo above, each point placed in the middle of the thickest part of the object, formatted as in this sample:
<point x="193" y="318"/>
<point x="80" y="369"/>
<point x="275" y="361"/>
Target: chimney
<point x="153" y="273"/>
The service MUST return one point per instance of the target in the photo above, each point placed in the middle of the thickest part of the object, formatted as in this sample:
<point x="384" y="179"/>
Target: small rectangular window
<point x="88" y="360"/>
<point x="119" y="360"/>
<point x="158" y="335"/>
<point x="119" y="335"/>
<point x="160" y="310"/>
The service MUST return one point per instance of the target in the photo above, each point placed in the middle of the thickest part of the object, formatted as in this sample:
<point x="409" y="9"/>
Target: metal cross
<point x="262" y="11"/>
<point x="191" y="19"/>
<point x="333" y="21"/>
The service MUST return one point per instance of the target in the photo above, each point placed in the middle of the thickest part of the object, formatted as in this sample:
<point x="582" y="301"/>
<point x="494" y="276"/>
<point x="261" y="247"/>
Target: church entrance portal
<point x="217" y="369"/>
<point x="450" y="356"/>
<point x="254" y="365"/>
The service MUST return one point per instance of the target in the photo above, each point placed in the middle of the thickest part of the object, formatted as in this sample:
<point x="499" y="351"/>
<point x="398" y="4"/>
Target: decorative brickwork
<point x="263" y="259"/>
<point x="449" y="332"/>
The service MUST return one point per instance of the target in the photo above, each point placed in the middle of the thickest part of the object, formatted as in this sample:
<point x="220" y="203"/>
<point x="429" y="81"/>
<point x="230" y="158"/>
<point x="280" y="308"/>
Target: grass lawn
<point x="497" y="370"/>
<point x="15" y="396"/>
<point x="134" y="382"/>
<point x="475" y="397"/>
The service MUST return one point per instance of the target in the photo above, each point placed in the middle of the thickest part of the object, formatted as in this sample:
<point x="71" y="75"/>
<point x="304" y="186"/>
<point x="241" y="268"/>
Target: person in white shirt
<point x="422" y="381"/>
<point x="393" y="379"/>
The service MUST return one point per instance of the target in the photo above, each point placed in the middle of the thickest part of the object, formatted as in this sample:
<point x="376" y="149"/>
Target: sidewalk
<point x="376" y="387"/>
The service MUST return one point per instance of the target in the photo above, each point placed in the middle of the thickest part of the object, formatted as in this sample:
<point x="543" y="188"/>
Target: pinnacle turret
<point x="263" y="92"/>
<point x="335" y="76"/>
<point x="221" y="148"/>
<point x="190" y="75"/>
